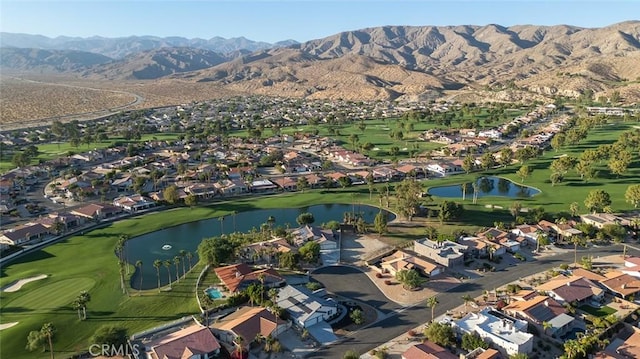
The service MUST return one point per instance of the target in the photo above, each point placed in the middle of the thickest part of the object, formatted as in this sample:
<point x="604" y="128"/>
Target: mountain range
<point x="389" y="62"/>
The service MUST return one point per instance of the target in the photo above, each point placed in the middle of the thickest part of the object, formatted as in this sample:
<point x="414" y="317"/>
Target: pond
<point x="487" y="186"/>
<point x="167" y="243"/>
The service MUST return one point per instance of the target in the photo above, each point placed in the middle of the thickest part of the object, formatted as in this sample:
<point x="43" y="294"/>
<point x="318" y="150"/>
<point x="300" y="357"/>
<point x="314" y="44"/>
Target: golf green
<point x="51" y="296"/>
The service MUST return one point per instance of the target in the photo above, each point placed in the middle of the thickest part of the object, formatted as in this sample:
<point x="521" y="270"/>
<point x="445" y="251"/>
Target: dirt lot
<point x="357" y="248"/>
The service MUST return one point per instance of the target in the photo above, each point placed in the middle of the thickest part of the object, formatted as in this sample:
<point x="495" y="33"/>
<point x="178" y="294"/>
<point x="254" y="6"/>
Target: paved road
<point x="352" y="283"/>
<point x="403" y="319"/>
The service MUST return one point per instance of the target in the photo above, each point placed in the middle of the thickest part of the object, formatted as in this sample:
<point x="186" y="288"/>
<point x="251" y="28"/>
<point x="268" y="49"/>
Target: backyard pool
<point x="214" y="293"/>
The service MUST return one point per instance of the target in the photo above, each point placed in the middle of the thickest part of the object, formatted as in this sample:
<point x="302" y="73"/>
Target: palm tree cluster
<point x="80" y="304"/>
<point x="583" y="345"/>
<point x="183" y="257"/>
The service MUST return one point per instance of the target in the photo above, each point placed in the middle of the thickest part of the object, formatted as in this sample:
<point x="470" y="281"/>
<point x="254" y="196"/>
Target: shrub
<point x="411" y="333"/>
<point x="378" y="275"/>
<point x="381" y="354"/>
<point x="276" y="347"/>
<point x="357" y="316"/>
<point x="313" y="285"/>
<point x="564" y="266"/>
<point x="387" y="282"/>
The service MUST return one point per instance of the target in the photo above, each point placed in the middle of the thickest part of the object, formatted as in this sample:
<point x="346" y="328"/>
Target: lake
<point x="167" y="243"/>
<point x="487" y="187"/>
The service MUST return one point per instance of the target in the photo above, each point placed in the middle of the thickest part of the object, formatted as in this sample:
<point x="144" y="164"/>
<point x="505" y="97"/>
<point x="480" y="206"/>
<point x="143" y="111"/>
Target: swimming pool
<point x="214" y="293"/>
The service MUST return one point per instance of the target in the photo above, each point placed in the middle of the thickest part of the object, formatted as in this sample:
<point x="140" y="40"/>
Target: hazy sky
<point x="300" y="20"/>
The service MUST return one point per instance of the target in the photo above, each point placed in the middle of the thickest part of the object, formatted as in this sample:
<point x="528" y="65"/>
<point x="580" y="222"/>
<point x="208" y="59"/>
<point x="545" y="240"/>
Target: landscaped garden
<point x="598" y="312"/>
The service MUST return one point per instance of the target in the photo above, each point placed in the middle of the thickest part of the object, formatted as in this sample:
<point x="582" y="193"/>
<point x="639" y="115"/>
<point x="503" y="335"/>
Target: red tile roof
<point x="427" y="350"/>
<point x="191" y="340"/>
<point x="247" y="322"/>
<point x="232" y="276"/>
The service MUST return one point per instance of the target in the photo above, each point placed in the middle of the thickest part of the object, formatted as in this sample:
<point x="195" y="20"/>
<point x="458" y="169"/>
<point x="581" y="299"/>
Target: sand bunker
<point x="14" y="287"/>
<point x="7" y="325"/>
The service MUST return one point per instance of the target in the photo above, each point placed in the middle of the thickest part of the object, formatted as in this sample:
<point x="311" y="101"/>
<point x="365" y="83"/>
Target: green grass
<point x="41" y="300"/>
<point x="74" y="263"/>
<point x="598" y="312"/>
<point x="49" y="151"/>
<point x="90" y="257"/>
<point x="377" y="132"/>
<point x="559" y="197"/>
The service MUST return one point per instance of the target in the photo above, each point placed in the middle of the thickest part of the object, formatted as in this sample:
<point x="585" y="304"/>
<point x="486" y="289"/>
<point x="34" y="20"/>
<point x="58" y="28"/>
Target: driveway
<point x="347" y="281"/>
<point x="352" y="283"/>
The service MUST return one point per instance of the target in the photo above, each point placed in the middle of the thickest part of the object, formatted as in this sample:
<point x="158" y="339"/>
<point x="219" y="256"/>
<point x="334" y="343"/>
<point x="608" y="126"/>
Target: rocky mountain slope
<point x="153" y="64"/>
<point x="48" y="60"/>
<point x="121" y="47"/>
<point x="350" y="64"/>
<point x="409" y="62"/>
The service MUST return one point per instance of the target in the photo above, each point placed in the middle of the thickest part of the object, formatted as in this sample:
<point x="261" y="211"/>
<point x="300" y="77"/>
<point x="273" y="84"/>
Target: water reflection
<point x="486" y="186"/>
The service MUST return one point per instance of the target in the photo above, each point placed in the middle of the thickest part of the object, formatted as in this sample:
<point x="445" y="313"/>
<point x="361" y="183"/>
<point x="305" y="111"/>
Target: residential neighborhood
<point x="524" y="284"/>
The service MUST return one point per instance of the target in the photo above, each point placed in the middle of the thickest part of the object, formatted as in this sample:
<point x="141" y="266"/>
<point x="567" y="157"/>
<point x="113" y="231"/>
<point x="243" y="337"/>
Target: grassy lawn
<point x="598" y="312"/>
<point x="378" y="133"/>
<point x="88" y="262"/>
<point x="49" y="151"/>
<point x="559" y="197"/>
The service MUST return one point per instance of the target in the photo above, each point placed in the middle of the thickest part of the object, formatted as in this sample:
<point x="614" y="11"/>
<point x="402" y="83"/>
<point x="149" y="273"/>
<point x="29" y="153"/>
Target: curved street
<point x="350" y="282"/>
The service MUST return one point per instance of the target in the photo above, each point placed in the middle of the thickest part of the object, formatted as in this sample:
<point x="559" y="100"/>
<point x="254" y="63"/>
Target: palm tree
<point x="464" y="187"/>
<point x="271" y="221"/>
<point x="221" y="219"/>
<point x="167" y="264"/>
<point x="431" y="303"/>
<point x="83" y="299"/>
<point x="261" y="278"/>
<point x="475" y="187"/>
<point x="182" y="255"/>
<point x="238" y="341"/>
<point x="234" y="220"/>
<point x="573" y="349"/>
<point x="176" y="261"/>
<point x="58" y="227"/>
<point x="539" y="238"/>
<point x="78" y="307"/>
<point x="47" y="331"/>
<point x="139" y="266"/>
<point x="546" y="326"/>
<point x="122" y="243"/>
<point x="273" y="296"/>
<point x="258" y="339"/>
<point x="268" y="343"/>
<point x="491" y="249"/>
<point x="576" y="240"/>
<point x="189" y="256"/>
<point x="122" y="266"/>
<point x="467" y="299"/>
<point x="157" y="264"/>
